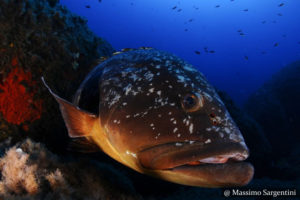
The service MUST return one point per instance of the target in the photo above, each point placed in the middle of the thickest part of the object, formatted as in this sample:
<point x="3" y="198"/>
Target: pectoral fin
<point x="79" y="123"/>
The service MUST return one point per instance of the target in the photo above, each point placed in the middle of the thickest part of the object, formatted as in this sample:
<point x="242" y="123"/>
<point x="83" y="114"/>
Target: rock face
<point x="275" y="106"/>
<point x="41" y="38"/>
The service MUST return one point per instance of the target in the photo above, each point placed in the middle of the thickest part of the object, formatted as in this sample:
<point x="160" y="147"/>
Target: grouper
<point x="158" y="115"/>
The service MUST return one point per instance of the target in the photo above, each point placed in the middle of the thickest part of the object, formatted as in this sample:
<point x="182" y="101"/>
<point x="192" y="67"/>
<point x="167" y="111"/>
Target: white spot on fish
<point x="170" y="113"/>
<point x="207" y="141"/>
<point x="191" y="128"/>
<point x="130" y="153"/>
<point x="178" y="144"/>
<point x="134" y="77"/>
<point x="127" y="89"/>
<point x="175" y="129"/>
<point x="181" y="79"/>
<point x="151" y="90"/>
<point x="227" y="130"/>
<point x="148" y="76"/>
<point x="208" y="129"/>
<point x="158" y="92"/>
<point x="191" y="142"/>
<point x="124" y="104"/>
<point x="178" y="135"/>
<point x="127" y="116"/>
<point x="188" y="68"/>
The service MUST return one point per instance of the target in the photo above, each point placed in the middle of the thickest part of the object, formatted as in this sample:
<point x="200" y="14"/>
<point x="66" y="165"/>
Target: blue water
<point x="199" y="24"/>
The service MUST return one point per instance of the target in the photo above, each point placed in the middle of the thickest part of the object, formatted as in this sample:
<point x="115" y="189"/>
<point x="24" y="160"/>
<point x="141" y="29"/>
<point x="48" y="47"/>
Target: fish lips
<point x="210" y="165"/>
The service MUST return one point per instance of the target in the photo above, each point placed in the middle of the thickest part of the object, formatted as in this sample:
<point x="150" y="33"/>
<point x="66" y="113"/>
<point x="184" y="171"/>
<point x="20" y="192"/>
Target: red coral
<point x="17" y="103"/>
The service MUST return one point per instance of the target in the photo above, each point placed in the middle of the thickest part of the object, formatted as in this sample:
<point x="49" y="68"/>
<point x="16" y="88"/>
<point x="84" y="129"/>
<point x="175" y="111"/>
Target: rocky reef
<point x="275" y="106"/>
<point x="41" y="38"/>
<point x="30" y="171"/>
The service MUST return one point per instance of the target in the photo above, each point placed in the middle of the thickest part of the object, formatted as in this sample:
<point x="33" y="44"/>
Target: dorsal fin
<point x="79" y="123"/>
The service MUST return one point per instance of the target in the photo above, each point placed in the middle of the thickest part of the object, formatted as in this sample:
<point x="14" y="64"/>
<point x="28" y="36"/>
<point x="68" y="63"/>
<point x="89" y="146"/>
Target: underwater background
<point x="249" y="50"/>
<point x="241" y="43"/>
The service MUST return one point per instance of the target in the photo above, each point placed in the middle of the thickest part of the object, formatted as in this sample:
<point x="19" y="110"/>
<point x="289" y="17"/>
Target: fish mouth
<point x="198" y="164"/>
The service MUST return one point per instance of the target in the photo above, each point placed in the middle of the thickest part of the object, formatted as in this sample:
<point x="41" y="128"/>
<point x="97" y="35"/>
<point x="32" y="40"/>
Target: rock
<point x="30" y="171"/>
<point x="41" y="38"/>
<point x="276" y="107"/>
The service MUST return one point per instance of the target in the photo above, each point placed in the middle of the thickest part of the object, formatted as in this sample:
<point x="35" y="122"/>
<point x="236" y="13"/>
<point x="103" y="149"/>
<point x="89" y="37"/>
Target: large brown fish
<point x="158" y="115"/>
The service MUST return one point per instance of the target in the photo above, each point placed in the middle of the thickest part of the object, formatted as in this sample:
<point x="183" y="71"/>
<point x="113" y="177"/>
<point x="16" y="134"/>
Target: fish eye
<point x="192" y="102"/>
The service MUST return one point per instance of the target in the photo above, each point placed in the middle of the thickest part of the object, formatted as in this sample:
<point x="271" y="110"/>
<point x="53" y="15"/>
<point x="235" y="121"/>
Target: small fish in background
<point x="217" y="6"/>
<point x="99" y="1"/>
<point x="231" y="0"/>
<point x="246" y="10"/>
<point x="280" y="5"/>
<point x="212" y="51"/>
<point x="205" y="49"/>
<point x="197" y="52"/>
<point x="179" y="10"/>
<point x="157" y="114"/>
<point x="264" y="21"/>
<point x="242" y="34"/>
<point x="190" y="20"/>
<point x="88" y="6"/>
<point x="186" y="30"/>
<point x="276" y="44"/>
<point x="174" y="7"/>
<point x="299" y="42"/>
<point x="127" y="49"/>
<point x="246" y="57"/>
<point x="195" y="7"/>
<point x="263" y="52"/>
<point x="240" y="30"/>
<point x="279" y="14"/>
<point x="284" y="35"/>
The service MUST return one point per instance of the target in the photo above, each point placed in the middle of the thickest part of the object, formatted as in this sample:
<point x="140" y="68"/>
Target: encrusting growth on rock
<point x="17" y="97"/>
<point x="30" y="171"/>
